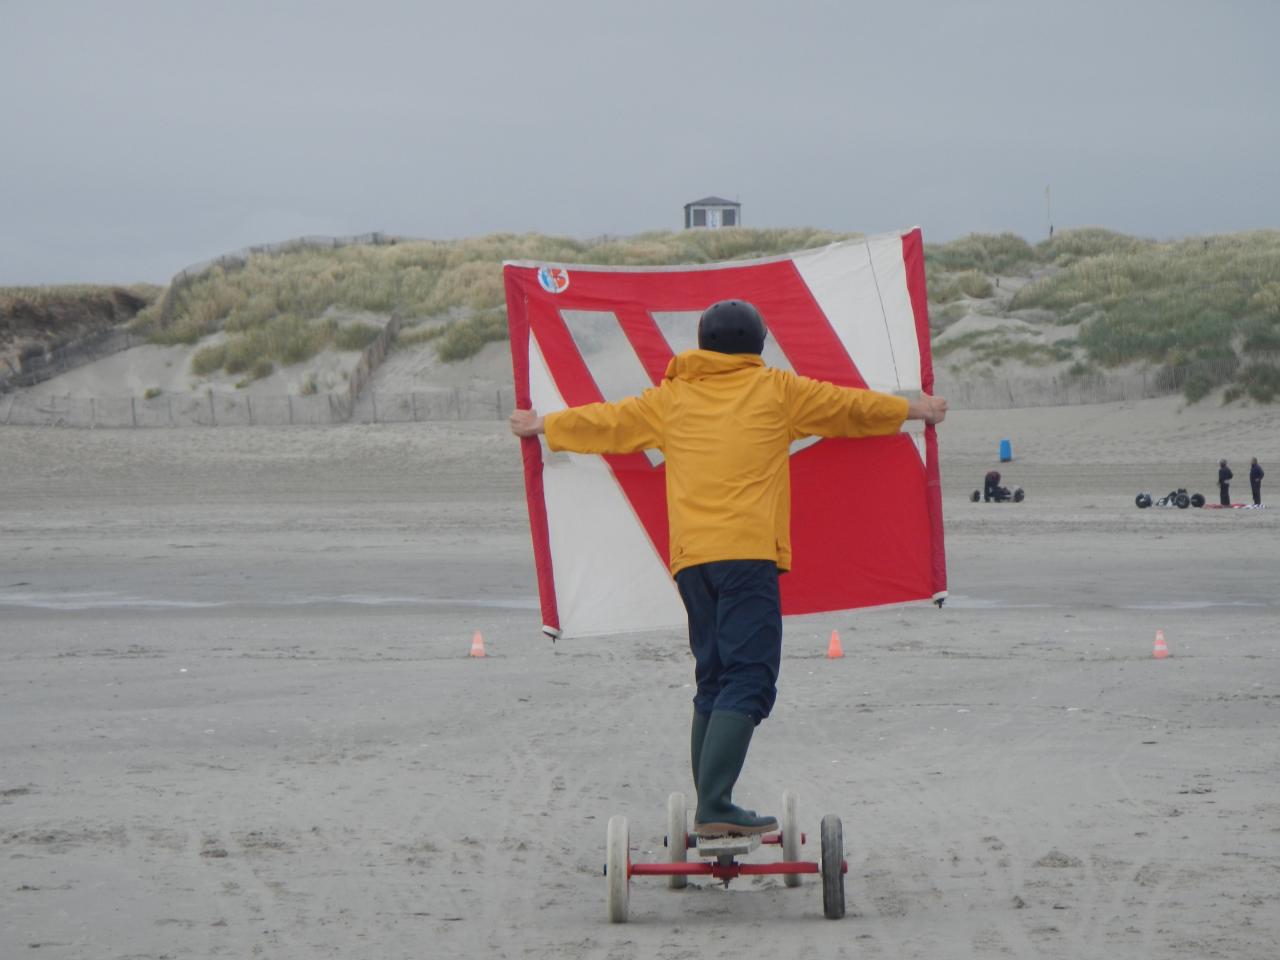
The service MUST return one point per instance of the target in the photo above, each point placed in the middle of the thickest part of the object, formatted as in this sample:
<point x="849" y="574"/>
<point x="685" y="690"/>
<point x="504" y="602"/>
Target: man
<point x="991" y="489"/>
<point x="1224" y="483"/>
<point x="724" y="422"/>
<point x="1255" y="481"/>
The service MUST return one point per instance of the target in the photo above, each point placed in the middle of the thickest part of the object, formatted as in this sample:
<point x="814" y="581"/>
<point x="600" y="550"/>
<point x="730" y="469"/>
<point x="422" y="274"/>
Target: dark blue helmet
<point x="731" y="326"/>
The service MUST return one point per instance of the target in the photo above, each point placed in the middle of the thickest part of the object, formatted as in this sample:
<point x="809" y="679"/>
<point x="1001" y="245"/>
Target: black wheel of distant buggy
<point x="790" y="836"/>
<point x="975" y="496"/>
<point x="832" y="867"/>
<point x="1182" y="501"/>
<point x="1197" y="499"/>
<point x="1142" y="500"/>
<point x="1019" y="495"/>
<point x="677" y="839"/>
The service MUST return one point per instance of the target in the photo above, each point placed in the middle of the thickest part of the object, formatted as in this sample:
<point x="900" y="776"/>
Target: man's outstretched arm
<point x="819" y="408"/>
<point x="624" y="426"/>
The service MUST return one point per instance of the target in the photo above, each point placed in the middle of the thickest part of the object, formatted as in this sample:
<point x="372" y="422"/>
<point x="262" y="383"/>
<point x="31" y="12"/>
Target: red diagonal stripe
<point x="643" y="485"/>
<point x="646" y="340"/>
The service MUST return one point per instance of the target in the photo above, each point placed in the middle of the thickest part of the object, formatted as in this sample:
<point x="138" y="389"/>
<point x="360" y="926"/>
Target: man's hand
<point x="525" y="423"/>
<point x="927" y="408"/>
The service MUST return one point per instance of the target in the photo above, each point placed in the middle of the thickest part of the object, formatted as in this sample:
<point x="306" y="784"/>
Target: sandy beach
<point x="238" y="718"/>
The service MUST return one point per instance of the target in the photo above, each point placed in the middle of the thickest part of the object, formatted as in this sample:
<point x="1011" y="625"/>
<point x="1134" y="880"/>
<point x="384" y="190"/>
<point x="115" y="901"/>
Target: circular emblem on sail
<point x="553" y="279"/>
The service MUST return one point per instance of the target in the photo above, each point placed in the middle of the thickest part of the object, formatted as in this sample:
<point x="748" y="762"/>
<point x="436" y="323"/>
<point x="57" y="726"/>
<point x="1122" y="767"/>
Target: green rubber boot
<point x="697" y="734"/>
<point x="724" y="750"/>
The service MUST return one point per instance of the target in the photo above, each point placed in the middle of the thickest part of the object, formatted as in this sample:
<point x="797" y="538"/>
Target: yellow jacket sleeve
<point x="622" y="427"/>
<point x="823" y="409"/>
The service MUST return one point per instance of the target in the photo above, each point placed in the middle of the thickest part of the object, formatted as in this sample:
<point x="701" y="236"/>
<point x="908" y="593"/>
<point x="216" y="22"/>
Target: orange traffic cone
<point x="1161" y="649"/>
<point x="477" y="645"/>
<point x="834" y="649"/>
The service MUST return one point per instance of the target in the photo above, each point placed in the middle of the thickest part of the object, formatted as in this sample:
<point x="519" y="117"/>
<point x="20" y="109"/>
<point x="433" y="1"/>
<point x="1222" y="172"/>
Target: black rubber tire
<point x="976" y="496"/>
<point x="832" y="867"/>
<point x="1197" y="499"/>
<point x="1183" y="501"/>
<point x="1142" y="500"/>
<point x="1019" y="495"/>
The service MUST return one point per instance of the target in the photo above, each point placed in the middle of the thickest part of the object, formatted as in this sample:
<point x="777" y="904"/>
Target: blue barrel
<point x="1006" y="450"/>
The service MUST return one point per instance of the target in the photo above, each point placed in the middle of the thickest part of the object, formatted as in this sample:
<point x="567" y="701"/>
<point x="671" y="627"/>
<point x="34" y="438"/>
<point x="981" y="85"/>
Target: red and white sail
<point x="866" y="522"/>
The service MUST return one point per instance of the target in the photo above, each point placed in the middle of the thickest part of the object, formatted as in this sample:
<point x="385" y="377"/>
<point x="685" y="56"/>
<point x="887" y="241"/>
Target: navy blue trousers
<point x="735" y="634"/>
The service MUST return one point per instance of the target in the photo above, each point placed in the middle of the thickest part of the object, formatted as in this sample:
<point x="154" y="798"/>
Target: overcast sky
<point x="140" y="136"/>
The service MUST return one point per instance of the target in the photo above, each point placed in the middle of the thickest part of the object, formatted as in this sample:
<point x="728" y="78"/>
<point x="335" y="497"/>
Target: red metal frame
<point x="724" y="871"/>
<point x="727" y="871"/>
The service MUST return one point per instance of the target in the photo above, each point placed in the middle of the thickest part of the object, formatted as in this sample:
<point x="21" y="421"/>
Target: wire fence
<point x="244" y="410"/>
<point x="40" y="365"/>
<point x="477" y="402"/>
<point x="466" y="403"/>
<point x="1054" y="391"/>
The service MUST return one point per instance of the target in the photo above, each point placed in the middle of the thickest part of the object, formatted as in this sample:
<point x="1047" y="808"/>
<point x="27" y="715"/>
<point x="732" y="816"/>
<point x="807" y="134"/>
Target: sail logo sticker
<point x="553" y="279"/>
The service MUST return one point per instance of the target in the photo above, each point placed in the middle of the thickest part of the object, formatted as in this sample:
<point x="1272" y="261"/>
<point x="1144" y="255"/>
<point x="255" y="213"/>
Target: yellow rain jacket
<point x="724" y="423"/>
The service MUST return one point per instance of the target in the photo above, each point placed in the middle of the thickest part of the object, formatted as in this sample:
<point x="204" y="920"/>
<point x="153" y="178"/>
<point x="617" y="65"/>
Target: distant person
<point x="1255" y="481"/>
<point x="1224" y="483"/>
<point x="991" y="489"/>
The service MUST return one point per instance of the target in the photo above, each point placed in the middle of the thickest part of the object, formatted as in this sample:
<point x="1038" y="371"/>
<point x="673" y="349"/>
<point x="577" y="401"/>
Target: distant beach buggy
<point x="1174" y="498"/>
<point x="992" y="492"/>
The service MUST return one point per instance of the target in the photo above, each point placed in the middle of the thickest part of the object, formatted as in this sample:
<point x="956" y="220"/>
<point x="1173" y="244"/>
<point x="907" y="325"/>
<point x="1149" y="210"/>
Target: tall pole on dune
<point x="1048" y="211"/>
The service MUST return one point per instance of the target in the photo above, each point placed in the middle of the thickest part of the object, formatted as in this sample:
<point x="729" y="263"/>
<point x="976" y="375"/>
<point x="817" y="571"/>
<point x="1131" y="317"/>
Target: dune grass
<point x="465" y="337"/>
<point x="413" y="336"/>
<point x="1193" y="307"/>
<point x="1259" y="381"/>
<point x="993" y="347"/>
<point x="949" y="287"/>
<point x="1205" y="312"/>
<point x="355" y="336"/>
<point x="1003" y="253"/>
<point x="286" y="339"/>
<point x="44" y="296"/>
<point x="416" y="279"/>
<point x="1068" y="246"/>
<point x="272" y="306"/>
<point x="41" y="316"/>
